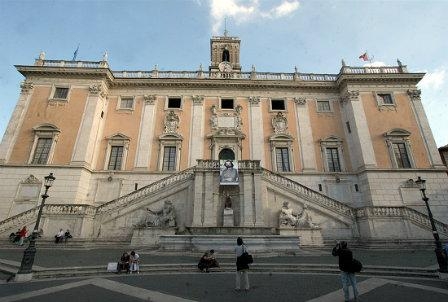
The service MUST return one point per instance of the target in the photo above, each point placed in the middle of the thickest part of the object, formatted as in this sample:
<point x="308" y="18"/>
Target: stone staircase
<point x="225" y="267"/>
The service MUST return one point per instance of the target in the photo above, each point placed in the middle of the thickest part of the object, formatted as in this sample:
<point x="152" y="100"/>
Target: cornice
<point x="413" y="78"/>
<point x="224" y="83"/>
<point x="27" y="71"/>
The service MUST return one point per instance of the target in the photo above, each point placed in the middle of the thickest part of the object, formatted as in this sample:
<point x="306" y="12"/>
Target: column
<point x="306" y="143"/>
<point x="360" y="141"/>
<point x="196" y="131"/>
<point x="86" y="140"/>
<point x="15" y="123"/>
<point x="256" y="135"/>
<point x="425" y="130"/>
<point x="146" y="133"/>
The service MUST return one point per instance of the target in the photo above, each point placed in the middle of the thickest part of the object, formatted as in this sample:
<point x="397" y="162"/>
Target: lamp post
<point x="441" y="258"/>
<point x="25" y="271"/>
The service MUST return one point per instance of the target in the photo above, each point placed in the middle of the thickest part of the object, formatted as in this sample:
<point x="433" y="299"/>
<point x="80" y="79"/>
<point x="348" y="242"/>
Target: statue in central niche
<point x="228" y="213"/>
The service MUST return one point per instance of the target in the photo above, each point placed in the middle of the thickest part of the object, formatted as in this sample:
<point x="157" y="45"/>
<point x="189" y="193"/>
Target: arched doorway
<point x="226" y="154"/>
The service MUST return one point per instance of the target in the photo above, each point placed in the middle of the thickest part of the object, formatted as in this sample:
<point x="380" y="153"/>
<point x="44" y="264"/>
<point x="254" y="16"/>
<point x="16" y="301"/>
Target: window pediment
<point x="118" y="136"/>
<point x="171" y="137"/>
<point x="398" y="133"/>
<point x="46" y="128"/>
<point x="281" y="137"/>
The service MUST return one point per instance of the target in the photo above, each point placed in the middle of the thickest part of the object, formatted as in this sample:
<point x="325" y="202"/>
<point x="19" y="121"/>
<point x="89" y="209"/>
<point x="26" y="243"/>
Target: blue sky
<point x="275" y="36"/>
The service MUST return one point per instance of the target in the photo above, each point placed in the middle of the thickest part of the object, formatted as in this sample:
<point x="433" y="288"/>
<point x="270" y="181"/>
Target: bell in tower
<point x="225" y="53"/>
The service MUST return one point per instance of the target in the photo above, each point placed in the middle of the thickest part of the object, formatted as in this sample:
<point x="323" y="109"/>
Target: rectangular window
<point x="169" y="159"/>
<point x="385" y="98"/>
<point x="349" y="129"/>
<point x="333" y="160"/>
<point x="42" y="151"/>
<point x="226" y="103"/>
<point x="278" y="105"/>
<point x="401" y="155"/>
<point x="116" y="157"/>
<point x="127" y="103"/>
<point x="323" y="106"/>
<point x="60" y="93"/>
<point x="282" y="159"/>
<point x="174" y="103"/>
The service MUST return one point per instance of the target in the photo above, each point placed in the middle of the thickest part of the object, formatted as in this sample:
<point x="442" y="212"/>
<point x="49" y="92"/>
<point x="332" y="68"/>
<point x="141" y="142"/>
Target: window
<point x="42" y="151"/>
<point x="385" y="98"/>
<point x="349" y="129"/>
<point x="45" y="138"/>
<point x="117" y="151"/>
<point x="170" y="149"/>
<point x="333" y="162"/>
<point x="281" y="152"/>
<point x="116" y="158"/>
<point x="227" y="104"/>
<point x="278" y="105"/>
<point x="401" y="155"/>
<point x="174" y="103"/>
<point x="332" y="154"/>
<point x="397" y="141"/>
<point x="282" y="160"/>
<point x="60" y="93"/>
<point x="323" y="106"/>
<point x="127" y="103"/>
<point x="169" y="159"/>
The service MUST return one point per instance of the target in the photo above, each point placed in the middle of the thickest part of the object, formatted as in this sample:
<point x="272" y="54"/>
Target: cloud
<point x="247" y="10"/>
<point x="433" y="80"/>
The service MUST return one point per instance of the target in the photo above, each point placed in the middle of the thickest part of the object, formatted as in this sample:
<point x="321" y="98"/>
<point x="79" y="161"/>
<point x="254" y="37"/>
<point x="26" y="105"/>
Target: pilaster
<point x="307" y="151"/>
<point x="146" y="133"/>
<point x="248" y="206"/>
<point x="256" y="130"/>
<point x="87" y="137"/>
<point x="15" y="123"/>
<point x="425" y="130"/>
<point x="360" y="141"/>
<point x="196" y="131"/>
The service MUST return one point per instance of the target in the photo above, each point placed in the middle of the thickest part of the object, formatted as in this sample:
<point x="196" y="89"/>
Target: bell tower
<point x="225" y="53"/>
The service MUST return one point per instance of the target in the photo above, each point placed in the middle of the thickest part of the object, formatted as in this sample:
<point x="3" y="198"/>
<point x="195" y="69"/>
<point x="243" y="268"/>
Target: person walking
<point x="241" y="265"/>
<point x="348" y="277"/>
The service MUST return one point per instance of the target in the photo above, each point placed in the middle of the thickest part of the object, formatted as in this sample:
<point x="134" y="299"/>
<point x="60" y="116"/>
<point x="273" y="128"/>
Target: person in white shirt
<point x="134" y="263"/>
<point x="241" y="266"/>
<point x="59" y="236"/>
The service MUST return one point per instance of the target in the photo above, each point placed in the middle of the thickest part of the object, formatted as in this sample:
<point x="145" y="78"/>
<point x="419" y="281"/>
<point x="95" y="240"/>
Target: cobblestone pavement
<point x="219" y="286"/>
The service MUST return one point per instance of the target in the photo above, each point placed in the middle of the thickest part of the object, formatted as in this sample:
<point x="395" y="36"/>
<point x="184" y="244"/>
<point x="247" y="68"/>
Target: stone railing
<point x="79" y="64"/>
<point x="69" y="209"/>
<point x="314" y="196"/>
<point x="200" y="74"/>
<point x="370" y="70"/>
<point x="19" y="220"/>
<point x="212" y="164"/>
<point x="402" y="212"/>
<point x="155" y="186"/>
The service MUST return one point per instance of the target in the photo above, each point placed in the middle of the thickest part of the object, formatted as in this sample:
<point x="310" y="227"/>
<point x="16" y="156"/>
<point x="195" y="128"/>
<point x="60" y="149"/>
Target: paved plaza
<point x="175" y="285"/>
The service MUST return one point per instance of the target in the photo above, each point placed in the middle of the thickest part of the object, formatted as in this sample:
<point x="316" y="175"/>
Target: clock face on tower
<point x="225" y="67"/>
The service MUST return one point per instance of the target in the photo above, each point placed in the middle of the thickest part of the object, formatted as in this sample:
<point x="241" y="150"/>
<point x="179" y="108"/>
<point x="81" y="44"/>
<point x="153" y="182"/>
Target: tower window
<point x="227" y="104"/>
<point x="225" y="56"/>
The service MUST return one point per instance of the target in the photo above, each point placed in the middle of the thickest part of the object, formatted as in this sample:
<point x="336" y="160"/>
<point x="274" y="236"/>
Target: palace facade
<point x="347" y="146"/>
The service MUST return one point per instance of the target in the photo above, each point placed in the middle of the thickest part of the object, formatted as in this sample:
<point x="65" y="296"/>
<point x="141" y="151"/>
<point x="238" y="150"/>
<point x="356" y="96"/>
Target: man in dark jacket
<point x="345" y="265"/>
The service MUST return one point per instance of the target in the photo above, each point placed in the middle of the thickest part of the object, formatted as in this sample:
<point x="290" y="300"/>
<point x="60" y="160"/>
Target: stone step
<point x="230" y="267"/>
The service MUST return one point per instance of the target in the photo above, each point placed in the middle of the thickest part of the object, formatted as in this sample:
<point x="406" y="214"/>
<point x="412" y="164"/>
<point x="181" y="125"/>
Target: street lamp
<point x="25" y="271"/>
<point x="441" y="258"/>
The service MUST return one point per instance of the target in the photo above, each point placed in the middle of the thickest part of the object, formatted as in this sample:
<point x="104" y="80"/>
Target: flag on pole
<point x="75" y="53"/>
<point x="364" y="57"/>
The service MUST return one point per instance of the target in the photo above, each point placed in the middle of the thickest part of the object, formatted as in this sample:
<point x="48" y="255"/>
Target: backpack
<point x="355" y="266"/>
